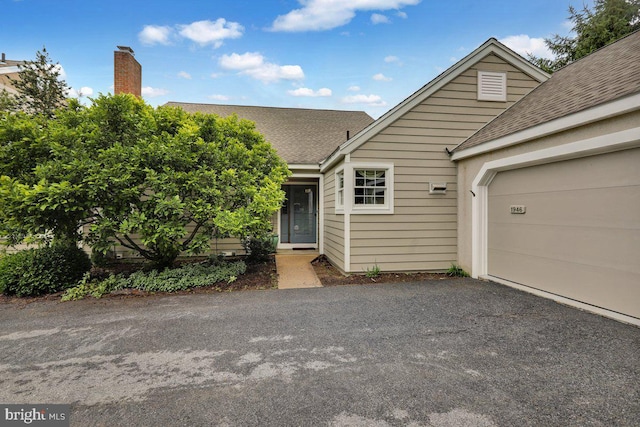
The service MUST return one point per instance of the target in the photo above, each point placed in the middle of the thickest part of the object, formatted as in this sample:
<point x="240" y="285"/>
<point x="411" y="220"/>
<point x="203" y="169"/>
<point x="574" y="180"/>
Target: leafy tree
<point x="7" y="101"/>
<point x="594" y="28"/>
<point x="38" y="196"/>
<point x="40" y="88"/>
<point x="160" y="181"/>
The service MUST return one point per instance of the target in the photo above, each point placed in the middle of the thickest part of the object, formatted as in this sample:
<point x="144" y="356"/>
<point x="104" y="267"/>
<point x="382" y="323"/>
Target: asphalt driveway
<point x="443" y="353"/>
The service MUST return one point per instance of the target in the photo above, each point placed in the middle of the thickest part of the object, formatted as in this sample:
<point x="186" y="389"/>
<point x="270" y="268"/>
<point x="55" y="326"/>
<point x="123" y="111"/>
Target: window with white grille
<point x="492" y="86"/>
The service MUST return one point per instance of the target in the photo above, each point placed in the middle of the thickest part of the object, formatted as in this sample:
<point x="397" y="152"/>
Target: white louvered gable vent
<point x="492" y="86"/>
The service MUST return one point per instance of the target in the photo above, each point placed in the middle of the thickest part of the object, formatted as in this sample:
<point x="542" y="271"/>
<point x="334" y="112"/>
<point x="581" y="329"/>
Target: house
<point x="550" y="189"/>
<point x="8" y="69"/>
<point x="385" y="191"/>
<point x="517" y="176"/>
<point x="303" y="138"/>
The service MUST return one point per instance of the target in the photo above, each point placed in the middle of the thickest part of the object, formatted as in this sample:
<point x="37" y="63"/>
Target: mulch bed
<point x="258" y="277"/>
<point x="331" y="276"/>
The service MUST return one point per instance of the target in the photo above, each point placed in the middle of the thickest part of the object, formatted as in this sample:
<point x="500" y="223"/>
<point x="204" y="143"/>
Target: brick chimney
<point x="127" y="72"/>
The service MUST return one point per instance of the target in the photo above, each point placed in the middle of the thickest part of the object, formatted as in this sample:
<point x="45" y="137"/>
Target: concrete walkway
<point x="295" y="271"/>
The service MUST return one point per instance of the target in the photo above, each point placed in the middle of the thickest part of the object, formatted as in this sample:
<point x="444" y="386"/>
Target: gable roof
<point x="300" y="136"/>
<point x="491" y="46"/>
<point x="609" y="74"/>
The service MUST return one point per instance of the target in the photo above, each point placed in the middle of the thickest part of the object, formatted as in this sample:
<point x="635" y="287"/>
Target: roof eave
<point x="599" y="112"/>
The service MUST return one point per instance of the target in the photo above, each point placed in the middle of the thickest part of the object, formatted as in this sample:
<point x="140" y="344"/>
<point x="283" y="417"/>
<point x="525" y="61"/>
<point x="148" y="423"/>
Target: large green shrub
<point x="44" y="270"/>
<point x="158" y="181"/>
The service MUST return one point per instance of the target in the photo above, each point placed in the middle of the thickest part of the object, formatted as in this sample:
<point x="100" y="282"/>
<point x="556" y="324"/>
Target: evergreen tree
<point x="594" y="28"/>
<point x="40" y="88"/>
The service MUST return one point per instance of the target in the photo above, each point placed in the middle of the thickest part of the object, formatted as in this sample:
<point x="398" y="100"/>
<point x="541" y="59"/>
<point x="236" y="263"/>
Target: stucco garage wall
<point x="469" y="168"/>
<point x="579" y="239"/>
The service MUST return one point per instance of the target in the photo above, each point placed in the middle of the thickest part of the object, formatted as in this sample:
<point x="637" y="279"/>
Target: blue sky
<point x="333" y="54"/>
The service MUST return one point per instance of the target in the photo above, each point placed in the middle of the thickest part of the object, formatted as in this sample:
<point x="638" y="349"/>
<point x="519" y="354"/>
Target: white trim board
<point x="320" y="209"/>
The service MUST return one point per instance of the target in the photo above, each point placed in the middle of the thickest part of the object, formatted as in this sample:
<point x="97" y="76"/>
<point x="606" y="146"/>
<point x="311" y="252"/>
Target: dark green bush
<point x="44" y="270"/>
<point x="259" y="249"/>
<point x="100" y="259"/>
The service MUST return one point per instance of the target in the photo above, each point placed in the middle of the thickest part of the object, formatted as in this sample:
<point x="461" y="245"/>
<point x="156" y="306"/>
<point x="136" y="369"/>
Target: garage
<point x="570" y="228"/>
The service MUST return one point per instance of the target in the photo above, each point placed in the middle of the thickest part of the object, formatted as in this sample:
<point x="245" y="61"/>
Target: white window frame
<point x="483" y="95"/>
<point x="349" y="206"/>
<point x="340" y="191"/>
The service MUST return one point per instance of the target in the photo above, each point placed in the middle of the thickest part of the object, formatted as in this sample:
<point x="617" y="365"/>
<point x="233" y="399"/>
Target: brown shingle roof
<point x="606" y="75"/>
<point x="300" y="136"/>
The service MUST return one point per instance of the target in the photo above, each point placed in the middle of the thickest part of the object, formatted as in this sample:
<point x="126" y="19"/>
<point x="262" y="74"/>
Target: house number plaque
<point x="518" y="209"/>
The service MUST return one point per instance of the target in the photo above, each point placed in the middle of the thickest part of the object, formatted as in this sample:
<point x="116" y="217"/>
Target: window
<point x="492" y="86"/>
<point x="364" y="188"/>
<point x="370" y="187"/>
<point x="340" y="189"/>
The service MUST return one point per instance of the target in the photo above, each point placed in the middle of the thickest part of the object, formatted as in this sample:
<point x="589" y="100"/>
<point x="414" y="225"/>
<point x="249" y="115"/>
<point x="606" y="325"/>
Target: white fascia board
<point x="9" y="70"/>
<point x="491" y="46"/>
<point x="305" y="167"/>
<point x="597" y="113"/>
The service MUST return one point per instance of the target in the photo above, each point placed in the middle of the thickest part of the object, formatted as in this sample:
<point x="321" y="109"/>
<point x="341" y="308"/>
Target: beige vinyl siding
<point x="422" y="232"/>
<point x="216" y="246"/>
<point x="14" y="249"/>
<point x="333" y="223"/>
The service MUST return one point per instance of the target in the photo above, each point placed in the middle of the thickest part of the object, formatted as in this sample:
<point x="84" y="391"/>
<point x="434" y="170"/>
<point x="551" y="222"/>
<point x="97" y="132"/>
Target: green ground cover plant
<point x="168" y="280"/>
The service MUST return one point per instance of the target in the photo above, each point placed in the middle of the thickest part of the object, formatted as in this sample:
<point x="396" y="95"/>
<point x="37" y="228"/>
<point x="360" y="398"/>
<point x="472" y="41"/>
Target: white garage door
<point x="579" y="235"/>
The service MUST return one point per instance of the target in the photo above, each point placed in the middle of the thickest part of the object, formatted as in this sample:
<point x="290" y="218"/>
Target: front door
<point x="298" y="217"/>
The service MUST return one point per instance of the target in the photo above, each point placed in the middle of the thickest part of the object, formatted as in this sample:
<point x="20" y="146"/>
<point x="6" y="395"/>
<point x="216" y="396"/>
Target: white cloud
<point x="62" y="74"/>
<point x="381" y="78"/>
<point x="218" y="97"/>
<point x="254" y="65"/>
<point x="370" y="100"/>
<point x="202" y="32"/>
<point x="525" y="45"/>
<point x="155" y="34"/>
<point x="378" y="18"/>
<point x="272" y="73"/>
<point x="83" y="91"/>
<point x="303" y="91"/>
<point x="241" y="62"/>
<point x="389" y="59"/>
<point x="152" y="92"/>
<point x="402" y="15"/>
<point x="210" y="32"/>
<point x="184" y="75"/>
<point x="318" y="15"/>
<point x="354" y="89"/>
